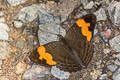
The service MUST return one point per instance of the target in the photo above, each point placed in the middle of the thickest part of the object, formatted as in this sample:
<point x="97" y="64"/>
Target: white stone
<point x="28" y="13"/>
<point x="116" y="75"/>
<point x="117" y="56"/>
<point x="56" y="72"/>
<point x="47" y="33"/>
<point x="18" y="24"/>
<point x="16" y="2"/>
<point x="115" y="43"/>
<point x="2" y="19"/>
<point x="114" y="12"/>
<point x="1" y="13"/>
<point x="4" y="29"/>
<point x="20" y="68"/>
<point x="89" y="5"/>
<point x="101" y="15"/>
<point x="4" y="50"/>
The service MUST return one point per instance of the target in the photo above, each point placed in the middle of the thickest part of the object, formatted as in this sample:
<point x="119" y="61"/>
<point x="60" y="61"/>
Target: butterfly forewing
<point x="79" y="43"/>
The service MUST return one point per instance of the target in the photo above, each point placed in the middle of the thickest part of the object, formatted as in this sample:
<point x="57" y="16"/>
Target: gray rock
<point x="116" y="75"/>
<point x="103" y="76"/>
<point x="114" y="12"/>
<point x="1" y="13"/>
<point x="47" y="33"/>
<point x="35" y="73"/>
<point x="28" y="13"/>
<point x="2" y="19"/>
<point x="45" y="18"/>
<point x="89" y="5"/>
<point x="84" y="2"/>
<point x="1" y="63"/>
<point x="4" y="78"/>
<point x="112" y="68"/>
<point x="20" y="44"/>
<point x="115" y="43"/>
<point x="4" y="29"/>
<point x="18" y="24"/>
<point x="101" y="15"/>
<point x="16" y="2"/>
<point x="117" y="56"/>
<point x="59" y="74"/>
<point x="4" y="50"/>
<point x="117" y="62"/>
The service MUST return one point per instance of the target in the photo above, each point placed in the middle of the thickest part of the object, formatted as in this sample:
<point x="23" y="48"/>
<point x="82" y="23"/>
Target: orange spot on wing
<point x="44" y="55"/>
<point x="84" y="28"/>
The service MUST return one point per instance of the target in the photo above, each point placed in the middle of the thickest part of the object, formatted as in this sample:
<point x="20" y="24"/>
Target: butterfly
<point x="72" y="52"/>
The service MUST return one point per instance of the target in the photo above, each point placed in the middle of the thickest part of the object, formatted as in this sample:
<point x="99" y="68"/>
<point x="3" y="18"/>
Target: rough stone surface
<point x="117" y="56"/>
<point x="4" y="50"/>
<point x="2" y="19"/>
<point x="1" y="13"/>
<point x="3" y="78"/>
<point x="1" y="63"/>
<point x="4" y="31"/>
<point x="89" y="5"/>
<point x="18" y="24"/>
<point x="20" y="68"/>
<point x="29" y="13"/>
<point x="20" y="44"/>
<point x="116" y="75"/>
<point x="101" y="15"/>
<point x="117" y="62"/>
<point x="115" y="43"/>
<point x="103" y="76"/>
<point x="16" y="2"/>
<point x="47" y="33"/>
<point x="35" y="73"/>
<point x="112" y="67"/>
<point x="59" y="74"/>
<point x="96" y="74"/>
<point x="114" y="10"/>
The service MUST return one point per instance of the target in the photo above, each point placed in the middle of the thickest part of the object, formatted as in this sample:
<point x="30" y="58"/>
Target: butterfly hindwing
<point x="60" y="54"/>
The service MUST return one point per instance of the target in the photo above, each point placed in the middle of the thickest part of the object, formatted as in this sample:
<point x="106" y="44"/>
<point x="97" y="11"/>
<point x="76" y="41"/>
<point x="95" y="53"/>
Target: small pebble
<point x="103" y="76"/>
<point x="116" y="75"/>
<point x="20" y="44"/>
<point x="112" y="67"/>
<point x="20" y="68"/>
<point x="117" y="62"/>
<point x="16" y="2"/>
<point x="56" y="72"/>
<point x="18" y="24"/>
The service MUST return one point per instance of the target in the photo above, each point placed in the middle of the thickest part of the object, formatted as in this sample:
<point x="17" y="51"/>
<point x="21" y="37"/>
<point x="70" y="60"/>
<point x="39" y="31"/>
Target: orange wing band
<point x="44" y="55"/>
<point x="84" y="28"/>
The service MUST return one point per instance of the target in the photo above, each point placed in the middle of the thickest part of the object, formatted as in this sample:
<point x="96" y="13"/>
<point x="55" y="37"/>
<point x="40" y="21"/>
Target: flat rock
<point x="47" y="33"/>
<point x="114" y="12"/>
<point x="59" y="74"/>
<point x="112" y="67"/>
<point x="16" y="2"/>
<point x="101" y="15"/>
<point x="116" y="75"/>
<point x="4" y="29"/>
<point x="20" y="68"/>
<point x="115" y="43"/>
<point x="35" y="73"/>
<point x="4" y="50"/>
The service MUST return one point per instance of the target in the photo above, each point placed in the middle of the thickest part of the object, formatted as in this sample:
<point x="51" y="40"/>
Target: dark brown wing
<point x="78" y="42"/>
<point x="60" y="53"/>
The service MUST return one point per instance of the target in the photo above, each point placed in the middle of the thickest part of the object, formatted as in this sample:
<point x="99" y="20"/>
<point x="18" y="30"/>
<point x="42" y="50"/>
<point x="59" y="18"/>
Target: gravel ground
<point x="20" y="20"/>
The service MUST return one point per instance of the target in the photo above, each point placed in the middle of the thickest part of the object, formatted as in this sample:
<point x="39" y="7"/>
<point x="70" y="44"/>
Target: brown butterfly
<point x="72" y="52"/>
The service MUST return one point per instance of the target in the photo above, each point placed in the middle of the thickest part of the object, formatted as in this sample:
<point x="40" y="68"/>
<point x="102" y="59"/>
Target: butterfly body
<point x="74" y="51"/>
